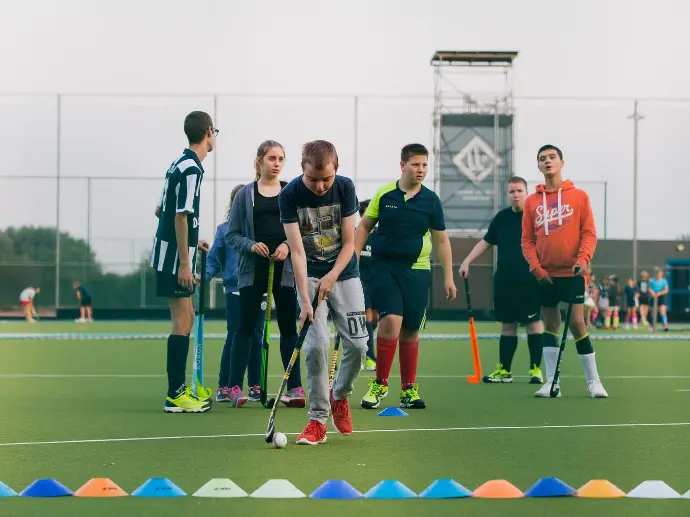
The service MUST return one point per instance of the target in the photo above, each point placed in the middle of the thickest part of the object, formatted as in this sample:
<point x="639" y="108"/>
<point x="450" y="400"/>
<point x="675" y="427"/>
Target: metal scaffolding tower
<point x="472" y="96"/>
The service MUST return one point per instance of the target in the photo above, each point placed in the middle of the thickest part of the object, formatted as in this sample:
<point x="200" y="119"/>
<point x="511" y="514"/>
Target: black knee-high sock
<point x="584" y="345"/>
<point x="507" y="345"/>
<point x="535" y="343"/>
<point x="178" y="348"/>
<point x="371" y="354"/>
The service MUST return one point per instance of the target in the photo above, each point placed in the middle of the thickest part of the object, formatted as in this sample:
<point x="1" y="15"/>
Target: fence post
<point x="57" y="207"/>
<point x="636" y="117"/>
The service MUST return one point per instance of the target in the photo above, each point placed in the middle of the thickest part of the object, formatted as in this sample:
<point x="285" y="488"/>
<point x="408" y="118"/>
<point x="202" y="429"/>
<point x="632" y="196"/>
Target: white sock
<point x="550" y="359"/>
<point x="589" y="363"/>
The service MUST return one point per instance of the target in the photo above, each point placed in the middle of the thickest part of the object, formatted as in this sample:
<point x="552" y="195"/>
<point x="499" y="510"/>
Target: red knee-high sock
<point x="409" y="353"/>
<point x="385" y="353"/>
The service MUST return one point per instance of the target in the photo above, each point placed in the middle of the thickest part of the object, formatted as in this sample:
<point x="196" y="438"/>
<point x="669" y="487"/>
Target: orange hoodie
<point x="569" y="236"/>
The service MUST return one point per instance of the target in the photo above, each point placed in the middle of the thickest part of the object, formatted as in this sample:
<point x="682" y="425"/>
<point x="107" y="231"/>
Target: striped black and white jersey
<point x="181" y="194"/>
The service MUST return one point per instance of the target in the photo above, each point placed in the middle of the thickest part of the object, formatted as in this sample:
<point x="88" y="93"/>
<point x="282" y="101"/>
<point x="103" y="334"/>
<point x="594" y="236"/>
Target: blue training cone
<point x="6" y="491"/>
<point x="392" y="411"/>
<point x="445" y="489"/>
<point x="550" y="487"/>
<point x="336" y="489"/>
<point x="47" y="487"/>
<point x="159" y="487"/>
<point x="390" y="489"/>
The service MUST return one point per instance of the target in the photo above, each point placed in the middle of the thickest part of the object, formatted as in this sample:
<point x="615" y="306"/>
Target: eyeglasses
<point x="215" y="130"/>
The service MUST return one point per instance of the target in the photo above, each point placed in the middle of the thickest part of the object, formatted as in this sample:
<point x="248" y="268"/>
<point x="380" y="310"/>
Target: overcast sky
<point x="295" y="52"/>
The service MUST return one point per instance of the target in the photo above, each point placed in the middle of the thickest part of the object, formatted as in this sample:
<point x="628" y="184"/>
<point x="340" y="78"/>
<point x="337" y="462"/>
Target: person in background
<point x="632" y="302"/>
<point x="365" y="277"/>
<point x="659" y="289"/>
<point x="613" y="312"/>
<point x="603" y="298"/>
<point x="26" y="300"/>
<point x="222" y="258"/>
<point x="85" y="303"/>
<point x="258" y="236"/>
<point x="644" y="297"/>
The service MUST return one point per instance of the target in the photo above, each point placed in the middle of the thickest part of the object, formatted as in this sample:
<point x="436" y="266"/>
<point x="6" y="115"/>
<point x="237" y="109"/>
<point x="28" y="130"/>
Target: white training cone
<point x="687" y="495"/>
<point x="220" y="487"/>
<point x="653" y="489"/>
<point x="278" y="489"/>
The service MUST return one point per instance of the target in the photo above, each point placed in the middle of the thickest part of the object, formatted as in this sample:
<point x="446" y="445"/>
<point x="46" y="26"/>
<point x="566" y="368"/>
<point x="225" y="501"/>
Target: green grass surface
<point x="62" y="391"/>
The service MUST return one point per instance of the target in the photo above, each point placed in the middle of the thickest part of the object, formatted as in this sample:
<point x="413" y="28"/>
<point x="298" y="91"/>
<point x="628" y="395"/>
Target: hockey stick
<point x="477" y="377"/>
<point x="198" y="334"/>
<point x="270" y="430"/>
<point x="266" y="340"/>
<point x="334" y="361"/>
<point x="553" y="391"/>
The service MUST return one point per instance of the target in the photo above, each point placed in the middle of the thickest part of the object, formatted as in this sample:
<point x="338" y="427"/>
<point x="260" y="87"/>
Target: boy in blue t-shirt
<point x="318" y="210"/>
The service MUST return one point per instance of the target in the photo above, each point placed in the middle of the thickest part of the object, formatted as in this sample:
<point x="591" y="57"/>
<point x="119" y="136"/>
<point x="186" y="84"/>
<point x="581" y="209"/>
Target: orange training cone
<point x="100" y="487"/>
<point x="498" y="489"/>
<point x="600" y="489"/>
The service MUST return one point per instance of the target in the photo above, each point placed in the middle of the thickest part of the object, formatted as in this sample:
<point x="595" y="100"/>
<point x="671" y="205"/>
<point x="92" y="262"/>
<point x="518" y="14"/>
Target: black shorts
<point x="563" y="289"/>
<point x="368" y="297"/>
<point x="401" y="291"/>
<point x="661" y="300"/>
<point x="645" y="299"/>
<point x="167" y="286"/>
<point x="517" y="301"/>
<point x="85" y="301"/>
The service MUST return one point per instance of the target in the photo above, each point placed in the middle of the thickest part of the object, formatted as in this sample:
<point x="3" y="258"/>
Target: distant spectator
<point x="612" y="318"/>
<point x="632" y="301"/>
<point x="26" y="300"/>
<point x="85" y="304"/>
<point x="659" y="289"/>
<point x="644" y="297"/>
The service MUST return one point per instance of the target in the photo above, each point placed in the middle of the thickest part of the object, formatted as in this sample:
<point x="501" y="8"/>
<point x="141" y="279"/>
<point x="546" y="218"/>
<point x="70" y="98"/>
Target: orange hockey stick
<point x="477" y="377"/>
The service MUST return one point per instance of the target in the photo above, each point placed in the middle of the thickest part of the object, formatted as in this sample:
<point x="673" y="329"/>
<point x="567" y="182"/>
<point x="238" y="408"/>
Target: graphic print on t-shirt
<point x="320" y="228"/>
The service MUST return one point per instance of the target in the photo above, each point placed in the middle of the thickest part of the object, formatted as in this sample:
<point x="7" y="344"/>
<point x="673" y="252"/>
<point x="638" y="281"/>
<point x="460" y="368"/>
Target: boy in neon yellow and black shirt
<point x="410" y="218"/>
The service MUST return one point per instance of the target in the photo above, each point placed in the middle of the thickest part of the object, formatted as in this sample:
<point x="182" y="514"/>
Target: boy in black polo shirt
<point x="410" y="218"/>
<point x="516" y="291"/>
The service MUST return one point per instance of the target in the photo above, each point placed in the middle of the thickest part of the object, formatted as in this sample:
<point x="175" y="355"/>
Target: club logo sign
<point x="476" y="160"/>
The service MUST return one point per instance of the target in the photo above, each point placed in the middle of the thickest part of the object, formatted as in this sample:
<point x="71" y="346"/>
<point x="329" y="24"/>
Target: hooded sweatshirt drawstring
<point x="546" y="212"/>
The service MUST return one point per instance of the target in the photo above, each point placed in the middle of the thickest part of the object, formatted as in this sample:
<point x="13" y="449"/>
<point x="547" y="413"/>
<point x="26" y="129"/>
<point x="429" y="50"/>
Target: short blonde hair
<point x="233" y="193"/>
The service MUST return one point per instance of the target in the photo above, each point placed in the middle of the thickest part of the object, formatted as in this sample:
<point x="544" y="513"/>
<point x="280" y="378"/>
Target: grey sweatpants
<point x="346" y="305"/>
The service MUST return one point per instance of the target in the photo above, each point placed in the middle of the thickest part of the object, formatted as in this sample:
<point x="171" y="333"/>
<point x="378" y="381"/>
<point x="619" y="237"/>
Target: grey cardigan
<point x="240" y="237"/>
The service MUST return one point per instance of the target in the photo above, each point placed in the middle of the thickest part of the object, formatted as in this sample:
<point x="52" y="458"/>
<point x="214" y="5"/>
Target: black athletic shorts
<point x="85" y="301"/>
<point x="368" y="297"/>
<point x="400" y="290"/>
<point x="167" y="287"/>
<point x="517" y="301"/>
<point x="563" y="289"/>
<point x="645" y="299"/>
<point x="661" y="300"/>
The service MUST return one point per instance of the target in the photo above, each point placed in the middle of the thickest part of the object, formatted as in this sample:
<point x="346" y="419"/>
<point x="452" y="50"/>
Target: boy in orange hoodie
<point x="558" y="242"/>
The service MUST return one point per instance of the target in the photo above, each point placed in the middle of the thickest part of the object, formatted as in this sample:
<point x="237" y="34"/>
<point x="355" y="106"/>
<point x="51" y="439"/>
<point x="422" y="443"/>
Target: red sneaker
<point x="313" y="434"/>
<point x="340" y="416"/>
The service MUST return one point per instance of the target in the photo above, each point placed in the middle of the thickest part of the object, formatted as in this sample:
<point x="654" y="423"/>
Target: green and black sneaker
<point x="409" y="397"/>
<point x="500" y="374"/>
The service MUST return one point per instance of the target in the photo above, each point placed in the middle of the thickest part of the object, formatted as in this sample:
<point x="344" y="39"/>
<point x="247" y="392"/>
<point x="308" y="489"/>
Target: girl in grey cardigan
<point x="257" y="235"/>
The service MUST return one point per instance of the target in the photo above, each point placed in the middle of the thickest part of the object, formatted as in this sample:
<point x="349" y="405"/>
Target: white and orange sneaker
<point x="314" y="433"/>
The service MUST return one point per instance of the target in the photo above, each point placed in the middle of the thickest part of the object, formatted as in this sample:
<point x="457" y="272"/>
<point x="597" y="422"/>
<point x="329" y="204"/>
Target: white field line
<point x="210" y="376"/>
<point x="366" y="431"/>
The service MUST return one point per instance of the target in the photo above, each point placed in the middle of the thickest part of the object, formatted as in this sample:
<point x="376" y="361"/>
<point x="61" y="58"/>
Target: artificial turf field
<point x="99" y="404"/>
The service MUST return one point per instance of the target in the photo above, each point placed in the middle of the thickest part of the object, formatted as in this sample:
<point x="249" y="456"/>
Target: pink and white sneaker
<point x="294" y="398"/>
<point x="237" y="398"/>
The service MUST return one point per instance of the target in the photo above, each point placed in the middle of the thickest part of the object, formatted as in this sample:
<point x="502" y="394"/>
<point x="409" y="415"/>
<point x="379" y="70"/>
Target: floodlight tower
<point x="472" y="135"/>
